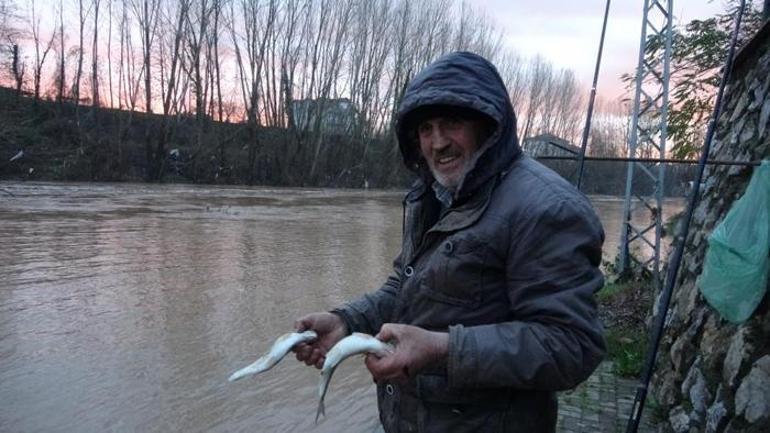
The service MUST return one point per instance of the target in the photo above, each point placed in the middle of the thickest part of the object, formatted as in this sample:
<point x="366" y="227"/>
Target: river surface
<point x="125" y="307"/>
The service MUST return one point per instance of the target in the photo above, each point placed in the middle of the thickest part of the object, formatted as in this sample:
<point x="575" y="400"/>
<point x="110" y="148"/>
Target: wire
<point x="676" y="261"/>
<point x="648" y="160"/>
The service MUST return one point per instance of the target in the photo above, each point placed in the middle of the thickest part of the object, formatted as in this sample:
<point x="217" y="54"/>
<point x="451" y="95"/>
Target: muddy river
<point x="124" y="307"/>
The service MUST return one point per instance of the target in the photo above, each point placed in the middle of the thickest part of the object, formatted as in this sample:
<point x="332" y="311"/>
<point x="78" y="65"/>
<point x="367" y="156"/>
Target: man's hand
<point x="415" y="348"/>
<point x="330" y="329"/>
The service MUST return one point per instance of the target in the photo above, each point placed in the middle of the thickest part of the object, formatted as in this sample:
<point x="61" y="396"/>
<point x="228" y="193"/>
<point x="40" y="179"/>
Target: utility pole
<point x="647" y="139"/>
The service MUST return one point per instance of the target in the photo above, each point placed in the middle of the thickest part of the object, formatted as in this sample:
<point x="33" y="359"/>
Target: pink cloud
<point x="567" y="33"/>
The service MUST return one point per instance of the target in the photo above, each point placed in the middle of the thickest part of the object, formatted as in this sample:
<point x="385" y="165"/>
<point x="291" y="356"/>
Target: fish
<point x="353" y="344"/>
<point x="281" y="347"/>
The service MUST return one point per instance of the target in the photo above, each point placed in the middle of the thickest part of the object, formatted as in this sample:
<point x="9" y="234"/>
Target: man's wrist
<point x="343" y="321"/>
<point x="440" y="345"/>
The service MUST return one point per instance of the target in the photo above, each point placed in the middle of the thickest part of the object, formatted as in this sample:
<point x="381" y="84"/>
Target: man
<point x="490" y="304"/>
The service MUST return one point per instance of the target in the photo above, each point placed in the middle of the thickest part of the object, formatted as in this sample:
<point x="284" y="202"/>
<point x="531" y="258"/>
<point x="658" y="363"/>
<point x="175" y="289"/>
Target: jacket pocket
<point x="453" y="274"/>
<point x="445" y="298"/>
<point x="443" y="409"/>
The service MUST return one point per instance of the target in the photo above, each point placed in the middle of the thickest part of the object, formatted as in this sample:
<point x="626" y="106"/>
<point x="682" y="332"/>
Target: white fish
<point x="280" y="348"/>
<point x="351" y="345"/>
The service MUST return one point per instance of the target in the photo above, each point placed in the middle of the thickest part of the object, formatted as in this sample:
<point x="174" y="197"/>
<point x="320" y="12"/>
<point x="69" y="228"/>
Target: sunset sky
<point x="567" y="32"/>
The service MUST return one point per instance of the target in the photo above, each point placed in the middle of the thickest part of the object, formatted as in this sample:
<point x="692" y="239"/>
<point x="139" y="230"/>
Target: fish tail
<point x="320" y="411"/>
<point x="323" y="387"/>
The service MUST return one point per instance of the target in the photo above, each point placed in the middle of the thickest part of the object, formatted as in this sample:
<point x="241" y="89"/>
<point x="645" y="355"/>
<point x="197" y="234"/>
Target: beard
<point x="452" y="182"/>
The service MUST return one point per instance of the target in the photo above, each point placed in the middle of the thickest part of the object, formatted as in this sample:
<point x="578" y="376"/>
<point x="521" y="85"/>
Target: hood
<point x="464" y="80"/>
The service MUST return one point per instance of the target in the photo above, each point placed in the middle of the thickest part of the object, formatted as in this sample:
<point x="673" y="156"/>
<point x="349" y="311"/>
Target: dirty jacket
<point x="509" y="271"/>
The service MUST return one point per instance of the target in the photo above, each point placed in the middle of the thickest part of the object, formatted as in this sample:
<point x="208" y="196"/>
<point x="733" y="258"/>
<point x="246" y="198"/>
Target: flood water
<point x="125" y="307"/>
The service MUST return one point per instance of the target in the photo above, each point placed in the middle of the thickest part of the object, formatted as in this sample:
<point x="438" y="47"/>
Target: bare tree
<point x="109" y="53"/>
<point x="146" y="13"/>
<point x="511" y="68"/>
<point x="250" y="46"/>
<point x="95" y="57"/>
<point x="282" y="71"/>
<point x="367" y="59"/>
<point x="538" y="72"/>
<point x="8" y="15"/>
<point x="334" y="38"/>
<point x="83" y="15"/>
<point x="170" y="73"/>
<point x="42" y="48"/>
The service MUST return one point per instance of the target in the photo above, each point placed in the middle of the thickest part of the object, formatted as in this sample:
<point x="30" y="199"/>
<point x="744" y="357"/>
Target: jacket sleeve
<point x="556" y="339"/>
<point x="367" y="313"/>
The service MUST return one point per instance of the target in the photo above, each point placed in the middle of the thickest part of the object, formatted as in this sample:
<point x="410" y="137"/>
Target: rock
<point x="679" y="420"/>
<point x="666" y="392"/>
<point x="699" y="395"/>
<point x="757" y="93"/>
<point x="694" y="386"/>
<point x="764" y="116"/>
<point x="685" y="300"/>
<point x="736" y="355"/>
<point x="715" y="416"/>
<point x="752" y="400"/>
<point x="739" y="107"/>
<point x="707" y="381"/>
<point x="689" y="380"/>
<point x="697" y="238"/>
<point x="681" y="354"/>
<point x="714" y="342"/>
<point x="701" y="210"/>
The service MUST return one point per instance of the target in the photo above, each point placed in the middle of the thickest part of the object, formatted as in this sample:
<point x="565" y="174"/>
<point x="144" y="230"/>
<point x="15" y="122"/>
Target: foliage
<point x="698" y="53"/>
<point x="610" y="291"/>
<point x="627" y="349"/>
<point x="624" y="306"/>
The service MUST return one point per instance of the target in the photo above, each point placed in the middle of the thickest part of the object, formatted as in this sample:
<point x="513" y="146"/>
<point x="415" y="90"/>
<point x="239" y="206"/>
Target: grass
<point x="627" y="349"/>
<point x="625" y="305"/>
<point x="610" y="291"/>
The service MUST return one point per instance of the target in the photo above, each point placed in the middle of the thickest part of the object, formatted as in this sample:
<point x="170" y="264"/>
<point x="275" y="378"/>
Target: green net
<point x="734" y="277"/>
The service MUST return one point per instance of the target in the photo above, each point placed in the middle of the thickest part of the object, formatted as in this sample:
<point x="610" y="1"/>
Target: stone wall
<point x="713" y="376"/>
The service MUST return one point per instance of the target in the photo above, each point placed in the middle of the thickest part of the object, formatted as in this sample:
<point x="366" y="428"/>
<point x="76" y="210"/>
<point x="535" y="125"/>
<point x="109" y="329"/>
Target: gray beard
<point x="449" y="184"/>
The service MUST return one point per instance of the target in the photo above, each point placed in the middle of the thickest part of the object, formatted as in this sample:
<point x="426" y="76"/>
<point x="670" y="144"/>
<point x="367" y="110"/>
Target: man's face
<point x="447" y="143"/>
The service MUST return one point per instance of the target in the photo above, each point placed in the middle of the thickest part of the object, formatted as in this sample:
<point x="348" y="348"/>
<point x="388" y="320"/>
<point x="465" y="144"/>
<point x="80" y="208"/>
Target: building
<point x="548" y="145"/>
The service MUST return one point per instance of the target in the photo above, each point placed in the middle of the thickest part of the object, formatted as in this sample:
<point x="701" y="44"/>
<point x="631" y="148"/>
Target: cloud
<point x="567" y="33"/>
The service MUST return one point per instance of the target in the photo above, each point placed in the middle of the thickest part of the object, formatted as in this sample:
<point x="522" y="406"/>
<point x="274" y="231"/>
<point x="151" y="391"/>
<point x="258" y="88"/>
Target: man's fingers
<point x="316" y="358"/>
<point x="371" y="361"/>
<point x="303" y="351"/>
<point x="387" y="333"/>
<point x="302" y="324"/>
<point x="383" y="368"/>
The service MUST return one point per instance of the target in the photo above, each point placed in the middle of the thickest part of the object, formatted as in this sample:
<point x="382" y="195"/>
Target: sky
<point x="567" y="33"/>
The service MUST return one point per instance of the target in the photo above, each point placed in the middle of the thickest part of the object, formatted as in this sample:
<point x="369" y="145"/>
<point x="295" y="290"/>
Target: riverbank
<point x="60" y="141"/>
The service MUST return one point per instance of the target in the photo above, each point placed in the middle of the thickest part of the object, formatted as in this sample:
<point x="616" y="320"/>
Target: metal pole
<point x="660" y="183"/>
<point x="650" y="160"/>
<point x="632" y="141"/>
<point x="676" y="261"/>
<point x="592" y="98"/>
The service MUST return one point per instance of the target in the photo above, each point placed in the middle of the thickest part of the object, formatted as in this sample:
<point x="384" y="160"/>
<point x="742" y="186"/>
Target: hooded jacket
<point x="509" y="271"/>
